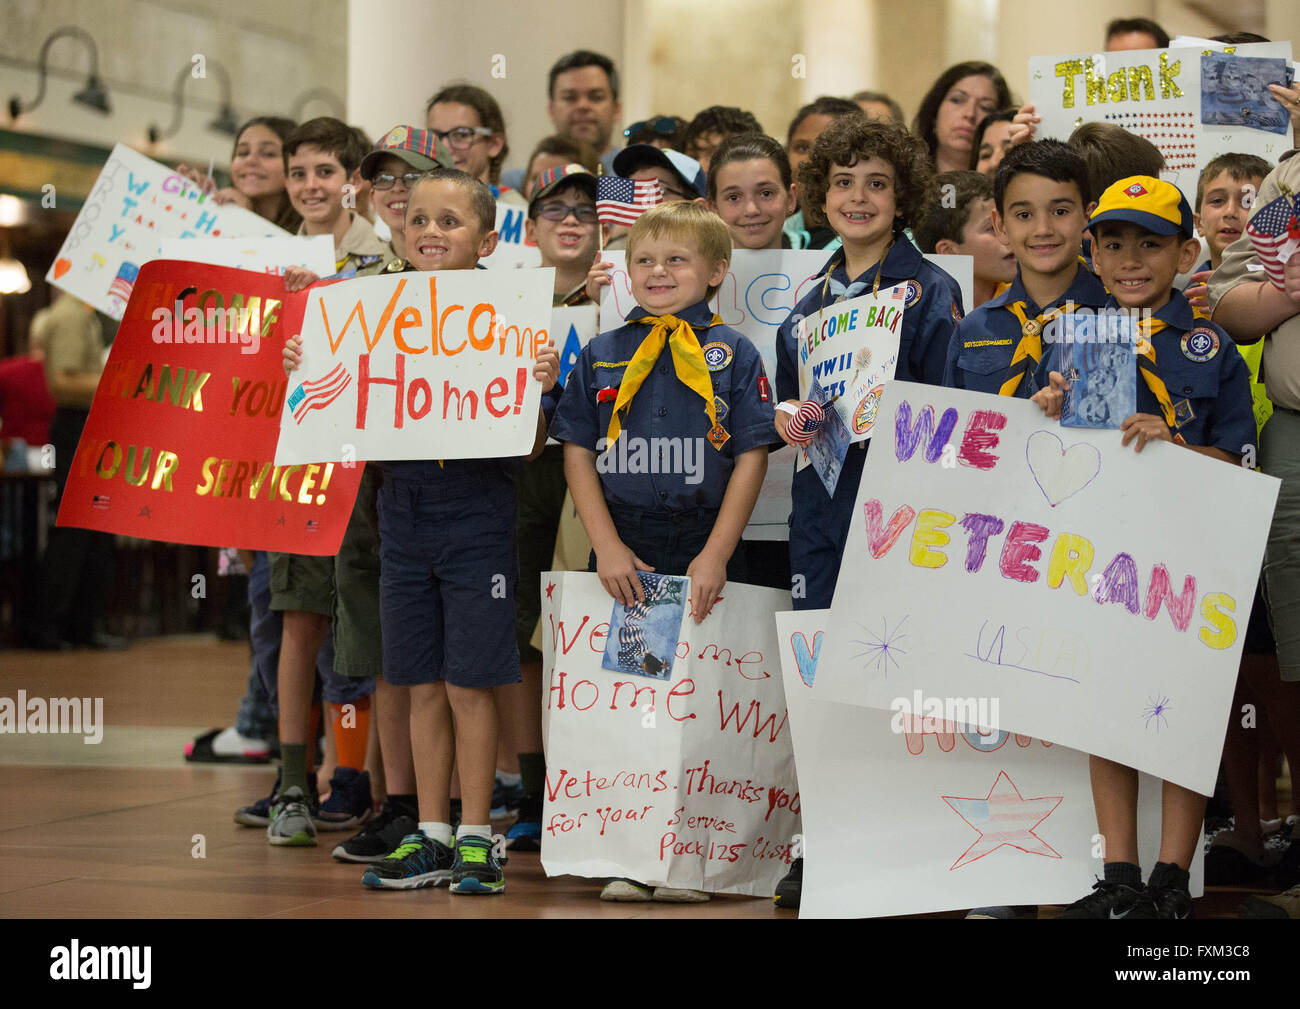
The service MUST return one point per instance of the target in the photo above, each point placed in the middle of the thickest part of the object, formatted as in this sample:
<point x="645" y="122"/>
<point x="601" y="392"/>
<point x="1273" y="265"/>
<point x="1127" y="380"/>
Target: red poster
<point x="180" y="444"/>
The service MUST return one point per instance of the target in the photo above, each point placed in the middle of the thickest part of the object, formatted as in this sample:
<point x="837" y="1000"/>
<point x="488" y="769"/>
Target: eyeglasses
<point x="462" y="136"/>
<point x="584" y="213"/>
<point x="665" y="126"/>
<point x="385" y="181"/>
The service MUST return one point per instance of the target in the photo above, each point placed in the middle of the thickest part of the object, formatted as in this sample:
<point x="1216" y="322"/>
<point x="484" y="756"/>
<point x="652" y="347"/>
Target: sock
<point x="1124" y="872"/>
<point x="1168" y="875"/>
<point x="293" y="766"/>
<point x="406" y="804"/>
<point x="436" y="831"/>
<point x="532" y="773"/>
<point x="507" y="778"/>
<point x="351" y="741"/>
<point x="474" y="830"/>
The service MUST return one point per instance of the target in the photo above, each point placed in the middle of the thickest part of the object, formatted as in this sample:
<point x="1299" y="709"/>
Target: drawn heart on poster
<point x="807" y="661"/>
<point x="61" y="266"/>
<point x="1060" y="472"/>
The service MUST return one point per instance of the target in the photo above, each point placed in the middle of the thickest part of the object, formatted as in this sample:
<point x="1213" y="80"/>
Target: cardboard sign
<point x="909" y="814"/>
<point x="513" y="251"/>
<point x="134" y="205"/>
<point x="687" y="782"/>
<point x="1093" y="591"/>
<point x="180" y="442"/>
<point x="266" y="255"/>
<point x="419" y="366"/>
<point x="850" y="349"/>
<point x="1160" y="94"/>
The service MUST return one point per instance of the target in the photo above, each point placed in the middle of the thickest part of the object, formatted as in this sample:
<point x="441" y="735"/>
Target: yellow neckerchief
<point x="1002" y="288"/>
<point x="1029" y="351"/>
<point x="688" y="362"/>
<point x="1146" y="362"/>
<point x="1030" y="346"/>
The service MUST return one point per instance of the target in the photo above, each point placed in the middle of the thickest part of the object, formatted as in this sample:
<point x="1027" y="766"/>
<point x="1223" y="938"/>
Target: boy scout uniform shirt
<point x="360" y="249"/>
<point x="665" y="408"/>
<point x="1207" y="380"/>
<point x="983" y="344"/>
<point x="1280" y="365"/>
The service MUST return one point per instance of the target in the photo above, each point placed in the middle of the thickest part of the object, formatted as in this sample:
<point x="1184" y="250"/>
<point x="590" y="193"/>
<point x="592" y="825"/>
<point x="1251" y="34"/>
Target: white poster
<point x="513" y="251"/>
<point x="687" y="782"/>
<point x="265" y="255"/>
<point x="909" y="814"/>
<point x="1164" y="95"/>
<point x="1098" y="595"/>
<point x="418" y="366"/>
<point x="134" y="204"/>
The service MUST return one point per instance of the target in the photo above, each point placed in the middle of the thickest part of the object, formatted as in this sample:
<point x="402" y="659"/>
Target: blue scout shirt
<point x="818" y="523"/>
<point x="665" y="408"/>
<point x="1207" y="379"/>
<point x="985" y="341"/>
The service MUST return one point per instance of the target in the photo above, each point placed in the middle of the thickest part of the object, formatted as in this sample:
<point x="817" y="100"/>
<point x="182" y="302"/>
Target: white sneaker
<point x="625" y="891"/>
<point x="671" y="895"/>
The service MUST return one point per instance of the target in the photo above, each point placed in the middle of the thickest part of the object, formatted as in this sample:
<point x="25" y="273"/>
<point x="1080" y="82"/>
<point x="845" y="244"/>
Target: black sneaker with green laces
<point x="380" y="836"/>
<point x="1111" y="900"/>
<point x="476" y="869"/>
<point x="419" y="861"/>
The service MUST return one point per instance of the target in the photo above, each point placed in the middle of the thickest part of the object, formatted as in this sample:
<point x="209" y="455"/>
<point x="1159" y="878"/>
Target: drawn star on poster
<point x="1004" y="817"/>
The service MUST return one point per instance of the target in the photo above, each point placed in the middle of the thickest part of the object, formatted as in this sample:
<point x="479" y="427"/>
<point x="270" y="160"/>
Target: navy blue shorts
<point x="447" y="576"/>
<point x="669" y="541"/>
<point x="819" y="528"/>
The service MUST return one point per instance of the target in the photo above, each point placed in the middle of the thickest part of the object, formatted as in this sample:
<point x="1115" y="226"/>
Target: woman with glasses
<point x="468" y="120"/>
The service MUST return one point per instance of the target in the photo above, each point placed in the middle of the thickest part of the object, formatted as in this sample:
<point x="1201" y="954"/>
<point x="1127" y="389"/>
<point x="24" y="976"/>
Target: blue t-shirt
<point x="666" y="426"/>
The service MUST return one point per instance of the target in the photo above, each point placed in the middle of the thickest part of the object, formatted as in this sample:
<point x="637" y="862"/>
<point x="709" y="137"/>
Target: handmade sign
<point x="266" y="255"/>
<point x="571" y="330"/>
<point x="949" y="816"/>
<point x="180" y="441"/>
<point x="135" y="204"/>
<point x="419" y="366"/>
<point x="1182" y="100"/>
<point x="850" y="349"/>
<point x="687" y="782"/>
<point x="995" y="553"/>
<point x="513" y="250"/>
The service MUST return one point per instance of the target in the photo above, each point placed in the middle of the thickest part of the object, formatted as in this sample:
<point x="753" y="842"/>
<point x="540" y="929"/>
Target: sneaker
<point x="505" y="798"/>
<point x="1280" y="905"/>
<point x="790" y="887"/>
<point x="291" y="824"/>
<point x="672" y="895"/>
<point x="1170" y="901"/>
<point x="476" y="869"/>
<point x="1005" y="911"/>
<point x="1232" y="862"/>
<point x="417" y="862"/>
<point x="1111" y="900"/>
<point x="380" y="836"/>
<point x="626" y="891"/>
<point x="526" y="832"/>
<point x="227" y="746"/>
<point x="259" y="813"/>
<point x="349" y="803"/>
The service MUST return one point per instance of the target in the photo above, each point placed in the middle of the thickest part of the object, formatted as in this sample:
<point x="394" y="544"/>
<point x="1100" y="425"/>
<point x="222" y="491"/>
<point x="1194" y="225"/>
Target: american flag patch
<point x="318" y="394"/>
<point x="100" y="501"/>
<point x="622" y="201"/>
<point x="313" y="525"/>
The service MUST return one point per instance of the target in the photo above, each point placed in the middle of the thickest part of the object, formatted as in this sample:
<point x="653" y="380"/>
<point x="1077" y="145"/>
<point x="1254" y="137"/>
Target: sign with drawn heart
<point x="135" y="204"/>
<point x="1093" y="594"/>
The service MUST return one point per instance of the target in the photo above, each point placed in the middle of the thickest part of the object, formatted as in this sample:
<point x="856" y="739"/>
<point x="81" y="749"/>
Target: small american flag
<point x="631" y="636"/>
<point x="124" y="281"/>
<point x="622" y="201"/>
<point x="99" y="501"/>
<point x="318" y="394"/>
<point x="1275" y="234"/>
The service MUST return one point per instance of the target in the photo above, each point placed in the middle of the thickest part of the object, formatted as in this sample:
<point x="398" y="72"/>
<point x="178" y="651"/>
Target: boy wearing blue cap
<point x="697" y="407"/>
<point x="1195" y="390"/>
<point x="1040" y="196"/>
